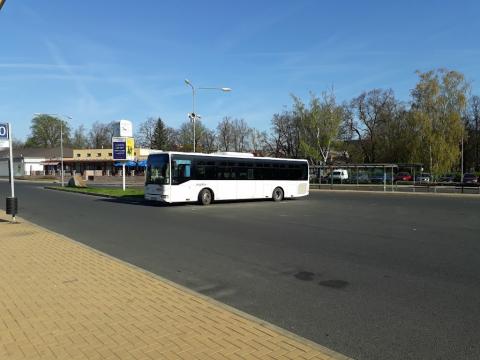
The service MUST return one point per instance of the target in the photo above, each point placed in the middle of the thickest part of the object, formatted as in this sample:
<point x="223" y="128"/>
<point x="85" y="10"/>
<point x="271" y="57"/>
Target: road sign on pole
<point x="123" y="150"/>
<point x="6" y="142"/>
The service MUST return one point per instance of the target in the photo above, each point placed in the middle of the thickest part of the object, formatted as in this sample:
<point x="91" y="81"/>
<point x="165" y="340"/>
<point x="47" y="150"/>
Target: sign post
<point x="123" y="150"/>
<point x="6" y="141"/>
<point x="12" y="185"/>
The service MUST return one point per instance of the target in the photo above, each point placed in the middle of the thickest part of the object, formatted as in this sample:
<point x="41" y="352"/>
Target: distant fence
<point x="384" y="177"/>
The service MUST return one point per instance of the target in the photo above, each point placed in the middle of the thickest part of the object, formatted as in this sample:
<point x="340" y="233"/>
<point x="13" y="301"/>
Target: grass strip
<point x="107" y="192"/>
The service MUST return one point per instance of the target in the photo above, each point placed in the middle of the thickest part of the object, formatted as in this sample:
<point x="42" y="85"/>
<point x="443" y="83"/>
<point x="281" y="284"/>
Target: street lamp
<point x="193" y="116"/>
<point x="462" y="164"/>
<point x="61" y="141"/>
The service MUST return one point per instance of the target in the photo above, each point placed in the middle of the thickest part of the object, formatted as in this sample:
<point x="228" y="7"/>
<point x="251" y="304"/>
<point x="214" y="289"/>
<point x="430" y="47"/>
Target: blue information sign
<point x="119" y="150"/>
<point x="4" y="131"/>
<point x="4" y="136"/>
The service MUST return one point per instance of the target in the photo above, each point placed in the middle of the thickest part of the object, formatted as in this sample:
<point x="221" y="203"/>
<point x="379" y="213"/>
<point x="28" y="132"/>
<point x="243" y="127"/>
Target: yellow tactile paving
<point x="62" y="300"/>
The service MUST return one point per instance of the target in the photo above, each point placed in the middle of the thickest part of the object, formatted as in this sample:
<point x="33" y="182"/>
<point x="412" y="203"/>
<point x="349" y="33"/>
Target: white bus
<point x="182" y="177"/>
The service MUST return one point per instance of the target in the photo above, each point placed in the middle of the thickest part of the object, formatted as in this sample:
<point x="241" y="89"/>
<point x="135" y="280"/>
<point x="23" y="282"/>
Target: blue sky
<point x="109" y="60"/>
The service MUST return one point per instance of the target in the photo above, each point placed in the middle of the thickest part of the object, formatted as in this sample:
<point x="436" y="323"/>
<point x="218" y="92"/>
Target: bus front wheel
<point x="277" y="194"/>
<point x="205" y="197"/>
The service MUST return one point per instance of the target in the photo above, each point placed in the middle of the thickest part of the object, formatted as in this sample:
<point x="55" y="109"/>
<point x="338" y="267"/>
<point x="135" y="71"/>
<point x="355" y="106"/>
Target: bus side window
<point x="201" y="173"/>
<point x="181" y="170"/>
<point x="209" y="172"/>
<point x="242" y="173"/>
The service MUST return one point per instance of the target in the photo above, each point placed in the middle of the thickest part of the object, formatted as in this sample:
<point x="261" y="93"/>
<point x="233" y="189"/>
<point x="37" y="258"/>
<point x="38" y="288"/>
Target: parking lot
<point x="373" y="276"/>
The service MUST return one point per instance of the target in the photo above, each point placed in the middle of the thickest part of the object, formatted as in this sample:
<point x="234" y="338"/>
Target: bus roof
<point x="230" y="155"/>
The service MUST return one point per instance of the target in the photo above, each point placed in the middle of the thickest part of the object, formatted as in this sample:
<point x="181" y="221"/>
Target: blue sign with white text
<point x="4" y="142"/>
<point x="3" y="131"/>
<point x="119" y="150"/>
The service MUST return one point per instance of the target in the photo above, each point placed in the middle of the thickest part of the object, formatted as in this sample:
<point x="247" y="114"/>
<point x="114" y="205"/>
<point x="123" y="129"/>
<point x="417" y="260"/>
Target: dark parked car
<point x="403" y="176"/>
<point x="379" y="178"/>
<point x="362" y="178"/>
<point x="449" y="178"/>
<point x="470" y="178"/>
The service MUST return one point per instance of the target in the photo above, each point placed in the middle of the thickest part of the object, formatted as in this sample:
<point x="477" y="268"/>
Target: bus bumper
<point x="157" y="197"/>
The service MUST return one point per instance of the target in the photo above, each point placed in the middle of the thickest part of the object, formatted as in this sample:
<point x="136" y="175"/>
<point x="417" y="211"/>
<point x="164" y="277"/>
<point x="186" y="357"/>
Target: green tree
<point x="185" y="136"/>
<point x="46" y="131"/>
<point x="155" y="134"/>
<point x="160" y="136"/>
<point x="319" y="125"/>
<point x="439" y="101"/>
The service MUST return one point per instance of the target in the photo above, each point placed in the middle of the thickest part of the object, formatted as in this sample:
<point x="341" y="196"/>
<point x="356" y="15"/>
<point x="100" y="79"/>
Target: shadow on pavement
<point x="139" y="200"/>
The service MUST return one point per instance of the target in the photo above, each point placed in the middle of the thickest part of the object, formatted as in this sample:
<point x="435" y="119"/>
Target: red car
<point x="403" y="176"/>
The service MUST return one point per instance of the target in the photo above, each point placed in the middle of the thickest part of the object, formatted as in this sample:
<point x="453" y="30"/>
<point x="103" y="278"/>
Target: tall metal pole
<point x="61" y="151"/>
<point x="12" y="177"/>
<point x="462" y="160"/>
<point x="123" y="176"/>
<point x="194" y="116"/>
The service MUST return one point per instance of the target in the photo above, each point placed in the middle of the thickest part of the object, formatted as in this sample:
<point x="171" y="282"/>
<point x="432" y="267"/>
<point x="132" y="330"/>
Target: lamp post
<point x="61" y="142"/>
<point x="193" y="116"/>
<point x="462" y="161"/>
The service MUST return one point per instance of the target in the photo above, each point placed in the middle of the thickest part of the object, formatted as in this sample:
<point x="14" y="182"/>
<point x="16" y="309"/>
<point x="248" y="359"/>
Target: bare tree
<point x="473" y="125"/>
<point x="79" y="139"/>
<point x="100" y="135"/>
<point x="225" y="134"/>
<point x="208" y="141"/>
<point x="17" y="143"/>
<point x="240" y="135"/>
<point x="146" y="132"/>
<point x="371" y="110"/>
<point x="285" y="137"/>
<point x="258" y="141"/>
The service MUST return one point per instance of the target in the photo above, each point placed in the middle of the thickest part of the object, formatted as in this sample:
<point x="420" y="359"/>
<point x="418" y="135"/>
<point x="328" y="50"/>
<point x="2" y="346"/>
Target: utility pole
<point x="193" y="116"/>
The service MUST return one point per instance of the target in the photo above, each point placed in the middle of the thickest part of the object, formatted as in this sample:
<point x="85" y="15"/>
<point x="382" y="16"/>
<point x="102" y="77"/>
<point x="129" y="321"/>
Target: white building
<point x="31" y="161"/>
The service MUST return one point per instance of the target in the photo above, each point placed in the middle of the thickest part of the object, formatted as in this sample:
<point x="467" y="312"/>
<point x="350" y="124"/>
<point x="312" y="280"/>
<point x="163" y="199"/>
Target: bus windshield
<point x="158" y="169"/>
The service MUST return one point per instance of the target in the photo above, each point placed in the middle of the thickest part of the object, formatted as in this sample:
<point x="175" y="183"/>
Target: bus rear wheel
<point x="205" y="197"/>
<point x="277" y="194"/>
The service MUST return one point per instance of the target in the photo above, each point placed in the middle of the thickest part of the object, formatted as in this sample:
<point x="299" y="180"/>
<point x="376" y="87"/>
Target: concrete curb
<point x="333" y="354"/>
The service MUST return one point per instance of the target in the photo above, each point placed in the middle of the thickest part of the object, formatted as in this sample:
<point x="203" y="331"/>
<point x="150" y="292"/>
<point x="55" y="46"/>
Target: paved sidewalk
<point x="62" y="300"/>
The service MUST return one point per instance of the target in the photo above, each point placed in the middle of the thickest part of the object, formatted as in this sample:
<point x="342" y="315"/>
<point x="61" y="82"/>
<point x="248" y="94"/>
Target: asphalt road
<point x="373" y="276"/>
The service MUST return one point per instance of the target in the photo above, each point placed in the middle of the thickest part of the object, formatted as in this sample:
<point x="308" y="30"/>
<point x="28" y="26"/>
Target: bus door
<point x="182" y="187"/>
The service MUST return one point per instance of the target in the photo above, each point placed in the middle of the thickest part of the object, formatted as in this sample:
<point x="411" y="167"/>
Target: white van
<point x="340" y="174"/>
